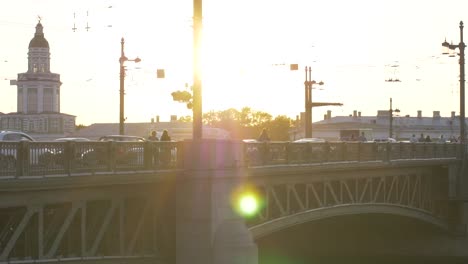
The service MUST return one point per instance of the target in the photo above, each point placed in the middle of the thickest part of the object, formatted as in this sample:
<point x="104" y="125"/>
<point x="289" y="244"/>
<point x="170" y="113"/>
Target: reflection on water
<point x="352" y="239"/>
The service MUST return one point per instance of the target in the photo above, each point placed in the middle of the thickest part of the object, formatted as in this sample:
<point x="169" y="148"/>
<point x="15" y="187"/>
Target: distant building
<point x="403" y="126"/>
<point x="38" y="95"/>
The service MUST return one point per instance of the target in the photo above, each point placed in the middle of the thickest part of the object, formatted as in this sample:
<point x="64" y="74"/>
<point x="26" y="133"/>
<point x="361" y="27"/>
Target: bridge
<point x="176" y="202"/>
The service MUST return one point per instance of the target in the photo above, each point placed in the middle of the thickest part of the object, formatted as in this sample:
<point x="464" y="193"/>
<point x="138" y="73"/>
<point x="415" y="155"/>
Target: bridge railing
<point x="66" y="158"/>
<point x="271" y="153"/>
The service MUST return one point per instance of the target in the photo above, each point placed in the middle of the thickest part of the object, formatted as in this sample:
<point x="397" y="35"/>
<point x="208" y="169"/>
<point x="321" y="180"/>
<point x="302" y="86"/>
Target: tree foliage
<point x="183" y="97"/>
<point x="186" y="119"/>
<point x="248" y="123"/>
<point x="279" y="127"/>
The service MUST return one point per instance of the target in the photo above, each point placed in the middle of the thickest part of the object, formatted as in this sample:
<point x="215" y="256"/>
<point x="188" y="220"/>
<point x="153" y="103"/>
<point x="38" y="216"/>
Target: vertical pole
<point x="462" y="90"/>
<point x="122" y="80"/>
<point x="309" y="99"/>
<point x="308" y="102"/>
<point x="390" y="112"/>
<point x="306" y="105"/>
<point x="197" y="84"/>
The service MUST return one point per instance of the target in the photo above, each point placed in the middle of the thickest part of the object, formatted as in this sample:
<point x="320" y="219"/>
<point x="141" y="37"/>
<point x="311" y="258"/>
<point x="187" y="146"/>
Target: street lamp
<point x="308" y="83"/>
<point x="197" y="74"/>
<point x="461" y="46"/>
<point x="390" y="130"/>
<point x="122" y="60"/>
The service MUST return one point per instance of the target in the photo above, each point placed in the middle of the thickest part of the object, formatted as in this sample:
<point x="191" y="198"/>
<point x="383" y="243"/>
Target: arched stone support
<point x="208" y="230"/>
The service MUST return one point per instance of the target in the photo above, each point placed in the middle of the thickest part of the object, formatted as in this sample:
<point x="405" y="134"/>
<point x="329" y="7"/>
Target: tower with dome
<point x="38" y="95"/>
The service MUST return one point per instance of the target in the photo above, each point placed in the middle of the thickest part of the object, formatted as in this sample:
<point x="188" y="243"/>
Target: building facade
<point x="38" y="95"/>
<point x="381" y="125"/>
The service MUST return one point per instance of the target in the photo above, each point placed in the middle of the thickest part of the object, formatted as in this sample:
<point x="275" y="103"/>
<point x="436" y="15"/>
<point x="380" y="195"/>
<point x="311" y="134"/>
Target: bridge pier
<point x="458" y="196"/>
<point x="208" y="230"/>
<point x="462" y="193"/>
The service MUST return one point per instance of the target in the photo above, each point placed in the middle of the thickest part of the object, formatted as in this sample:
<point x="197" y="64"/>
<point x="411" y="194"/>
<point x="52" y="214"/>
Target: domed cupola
<point x="39" y="41"/>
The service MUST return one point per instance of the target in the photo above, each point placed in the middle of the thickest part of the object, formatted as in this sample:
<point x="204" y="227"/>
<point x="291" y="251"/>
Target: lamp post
<point x="390" y="129"/>
<point x="197" y="82"/>
<point x="308" y="83"/>
<point x="461" y="46"/>
<point x="122" y="60"/>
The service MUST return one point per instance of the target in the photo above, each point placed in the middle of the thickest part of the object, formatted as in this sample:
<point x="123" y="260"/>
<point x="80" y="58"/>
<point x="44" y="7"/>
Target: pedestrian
<point x="152" y="136"/>
<point x="428" y="139"/>
<point x="442" y="139"/>
<point x="165" y="136"/>
<point x="421" y="139"/>
<point x="453" y="139"/>
<point x="264" y="136"/>
<point x="154" y="148"/>
<point x="264" y="148"/>
<point x="413" y="139"/>
<point x="362" y="137"/>
<point x="166" y="149"/>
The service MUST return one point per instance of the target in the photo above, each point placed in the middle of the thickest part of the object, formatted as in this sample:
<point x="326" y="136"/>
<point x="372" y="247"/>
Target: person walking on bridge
<point x="264" y="148"/>
<point x="165" y="157"/>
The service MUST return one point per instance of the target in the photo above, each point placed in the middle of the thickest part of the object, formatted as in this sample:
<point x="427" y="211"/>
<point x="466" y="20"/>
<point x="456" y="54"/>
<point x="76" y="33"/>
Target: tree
<point x="185" y="119"/>
<point x="279" y="128"/>
<point x="250" y="118"/>
<point x="80" y="126"/>
<point x="247" y="123"/>
<point x="183" y="97"/>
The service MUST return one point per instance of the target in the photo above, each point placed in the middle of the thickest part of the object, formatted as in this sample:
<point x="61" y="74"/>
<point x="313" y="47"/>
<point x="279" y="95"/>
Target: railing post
<point x="326" y="151"/>
<point x="148" y="148"/>
<point x="180" y="154"/>
<point x="343" y="151"/>
<point x="22" y="158"/>
<point x="400" y="151"/>
<point x="359" y="150"/>
<point x="68" y="157"/>
<point x="413" y="150"/>
<point x="425" y="150"/>
<point x="375" y="150"/>
<point x="111" y="153"/>
<point x="388" y="150"/>
<point x="265" y="152"/>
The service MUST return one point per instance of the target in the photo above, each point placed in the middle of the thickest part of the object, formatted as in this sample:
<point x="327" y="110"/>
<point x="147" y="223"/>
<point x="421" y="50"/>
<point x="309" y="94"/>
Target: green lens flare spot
<point x="248" y="205"/>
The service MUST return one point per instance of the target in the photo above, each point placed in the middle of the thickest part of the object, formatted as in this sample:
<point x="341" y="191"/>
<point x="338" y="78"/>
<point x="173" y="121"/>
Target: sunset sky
<point x="352" y="46"/>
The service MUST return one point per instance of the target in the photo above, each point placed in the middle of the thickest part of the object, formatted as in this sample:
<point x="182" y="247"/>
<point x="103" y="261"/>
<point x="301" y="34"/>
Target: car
<point x="124" y="138"/>
<point x="7" y="135"/>
<point x="124" y="152"/>
<point x="382" y="140"/>
<point x="306" y="140"/>
<point x="8" y="152"/>
<point x="73" y="139"/>
<point x="60" y="155"/>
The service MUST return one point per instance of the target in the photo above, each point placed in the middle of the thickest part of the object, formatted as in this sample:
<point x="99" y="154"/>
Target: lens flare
<point x="247" y="201"/>
<point x="248" y="205"/>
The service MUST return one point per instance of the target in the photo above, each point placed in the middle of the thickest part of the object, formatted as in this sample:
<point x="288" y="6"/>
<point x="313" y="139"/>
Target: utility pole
<point x="308" y="83"/>
<point x="197" y="74"/>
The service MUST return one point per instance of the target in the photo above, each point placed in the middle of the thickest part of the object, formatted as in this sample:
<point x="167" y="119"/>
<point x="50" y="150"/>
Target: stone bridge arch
<point x="279" y="224"/>
<point x="405" y="190"/>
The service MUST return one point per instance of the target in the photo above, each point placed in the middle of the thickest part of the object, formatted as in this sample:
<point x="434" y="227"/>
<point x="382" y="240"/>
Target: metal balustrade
<point x="273" y="153"/>
<point x="66" y="158"/>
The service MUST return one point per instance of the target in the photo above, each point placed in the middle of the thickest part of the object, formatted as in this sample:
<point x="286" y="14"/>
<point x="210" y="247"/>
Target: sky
<point x="248" y="45"/>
